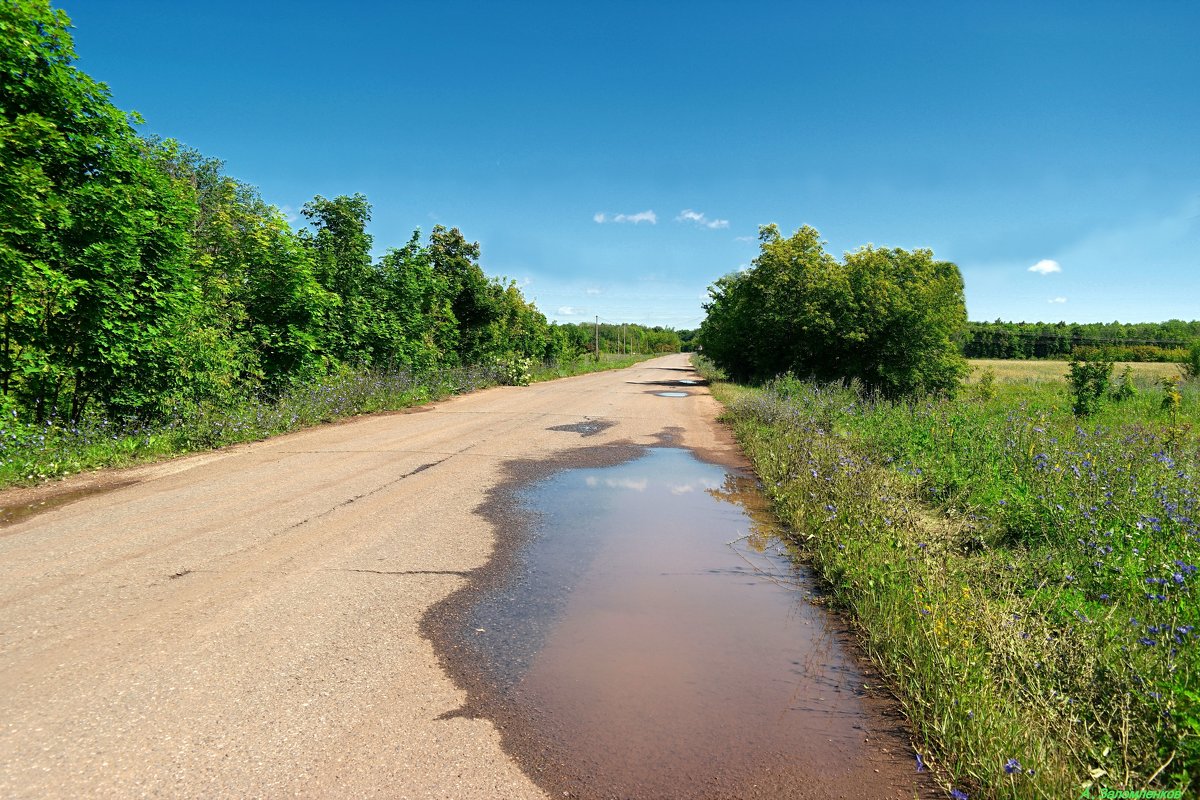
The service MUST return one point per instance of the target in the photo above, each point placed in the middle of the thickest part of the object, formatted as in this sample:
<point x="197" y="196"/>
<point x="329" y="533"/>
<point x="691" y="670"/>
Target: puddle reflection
<point x="654" y="634"/>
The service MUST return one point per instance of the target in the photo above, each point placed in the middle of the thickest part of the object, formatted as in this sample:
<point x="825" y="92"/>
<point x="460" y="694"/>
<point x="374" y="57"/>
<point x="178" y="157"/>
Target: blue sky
<point x="616" y="158"/>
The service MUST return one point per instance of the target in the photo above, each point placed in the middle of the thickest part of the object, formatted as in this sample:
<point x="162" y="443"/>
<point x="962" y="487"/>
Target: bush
<point x="1191" y="362"/>
<point x="1126" y="389"/>
<point x="889" y="318"/>
<point x="1088" y="381"/>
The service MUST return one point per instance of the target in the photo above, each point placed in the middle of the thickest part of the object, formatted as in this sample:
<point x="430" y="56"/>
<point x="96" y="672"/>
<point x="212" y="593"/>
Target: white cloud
<point x="1057" y="300"/>
<point x="1045" y="267"/>
<point x="568" y="311"/>
<point x="618" y="483"/>
<point x="687" y="215"/>
<point x="592" y="290"/>
<point x="641" y="216"/>
<point x="744" y="238"/>
<point x="683" y="489"/>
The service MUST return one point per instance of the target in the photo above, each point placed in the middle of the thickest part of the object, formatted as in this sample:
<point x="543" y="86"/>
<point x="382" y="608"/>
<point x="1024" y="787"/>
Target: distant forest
<point x="1116" y="341"/>
<point x="138" y="279"/>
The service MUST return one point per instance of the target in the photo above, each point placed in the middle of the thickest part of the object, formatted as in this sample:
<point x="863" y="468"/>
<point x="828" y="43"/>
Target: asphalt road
<point x="246" y="623"/>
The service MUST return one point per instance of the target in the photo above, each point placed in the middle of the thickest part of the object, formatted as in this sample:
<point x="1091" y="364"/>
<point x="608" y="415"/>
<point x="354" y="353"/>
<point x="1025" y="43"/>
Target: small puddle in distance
<point x="672" y="394"/>
<point x="652" y="640"/>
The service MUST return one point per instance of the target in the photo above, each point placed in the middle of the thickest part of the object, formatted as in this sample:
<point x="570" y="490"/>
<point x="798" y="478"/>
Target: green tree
<point x="476" y="301"/>
<point x="902" y="330"/>
<point x="340" y="249"/>
<point x="93" y="247"/>
<point x="415" y="328"/>
<point x="889" y="318"/>
<point x="258" y="310"/>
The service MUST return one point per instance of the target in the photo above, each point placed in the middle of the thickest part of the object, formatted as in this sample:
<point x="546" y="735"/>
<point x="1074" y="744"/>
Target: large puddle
<point x="651" y="638"/>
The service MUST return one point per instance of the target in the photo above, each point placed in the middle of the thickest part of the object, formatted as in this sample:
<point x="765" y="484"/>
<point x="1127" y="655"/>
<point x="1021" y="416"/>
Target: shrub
<point x="1191" y="362"/>
<point x="1088" y="381"/>
<point x="888" y="317"/>
<point x="1126" y="389"/>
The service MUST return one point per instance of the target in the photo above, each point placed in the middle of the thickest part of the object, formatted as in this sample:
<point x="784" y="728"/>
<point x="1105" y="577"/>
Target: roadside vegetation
<point x="1021" y="556"/>
<point x="32" y="453"/>
<point x="1026" y="580"/>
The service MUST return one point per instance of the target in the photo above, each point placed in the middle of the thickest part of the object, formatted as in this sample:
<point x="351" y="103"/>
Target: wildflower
<point x="920" y="763"/>
<point x="958" y="794"/>
<point x="1012" y="766"/>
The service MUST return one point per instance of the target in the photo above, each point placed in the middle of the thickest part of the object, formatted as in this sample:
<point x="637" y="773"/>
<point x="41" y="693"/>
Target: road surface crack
<point x="358" y="497"/>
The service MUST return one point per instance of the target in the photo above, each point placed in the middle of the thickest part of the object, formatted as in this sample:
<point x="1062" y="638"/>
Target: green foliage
<point x="1110" y="341"/>
<point x="1191" y="362"/>
<point x="1126" y="389"/>
<point x="889" y="318"/>
<point x="94" y="264"/>
<point x="1087" y="382"/>
<point x="985" y="387"/>
<point x="515" y="371"/>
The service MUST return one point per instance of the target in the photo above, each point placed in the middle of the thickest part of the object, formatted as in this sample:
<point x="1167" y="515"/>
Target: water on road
<point x="652" y="638"/>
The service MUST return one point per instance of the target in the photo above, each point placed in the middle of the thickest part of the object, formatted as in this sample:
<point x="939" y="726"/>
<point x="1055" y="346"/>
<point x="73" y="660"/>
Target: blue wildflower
<point x="1012" y="766"/>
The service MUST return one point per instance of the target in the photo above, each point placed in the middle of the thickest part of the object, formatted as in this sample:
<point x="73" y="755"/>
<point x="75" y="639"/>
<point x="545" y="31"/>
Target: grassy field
<point x="32" y="454"/>
<point x="1026" y="579"/>
<point x="1035" y="371"/>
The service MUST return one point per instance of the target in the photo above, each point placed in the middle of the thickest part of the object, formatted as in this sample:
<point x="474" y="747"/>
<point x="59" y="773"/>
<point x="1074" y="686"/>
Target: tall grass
<point x="1027" y="581"/>
<point x="31" y="453"/>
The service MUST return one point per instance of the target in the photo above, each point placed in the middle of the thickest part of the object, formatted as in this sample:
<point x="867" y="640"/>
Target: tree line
<point x="1115" y="341"/>
<point x="623" y="337"/>
<point x="137" y="277"/>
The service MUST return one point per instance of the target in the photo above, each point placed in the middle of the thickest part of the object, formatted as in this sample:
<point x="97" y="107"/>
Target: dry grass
<point x="1017" y="371"/>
